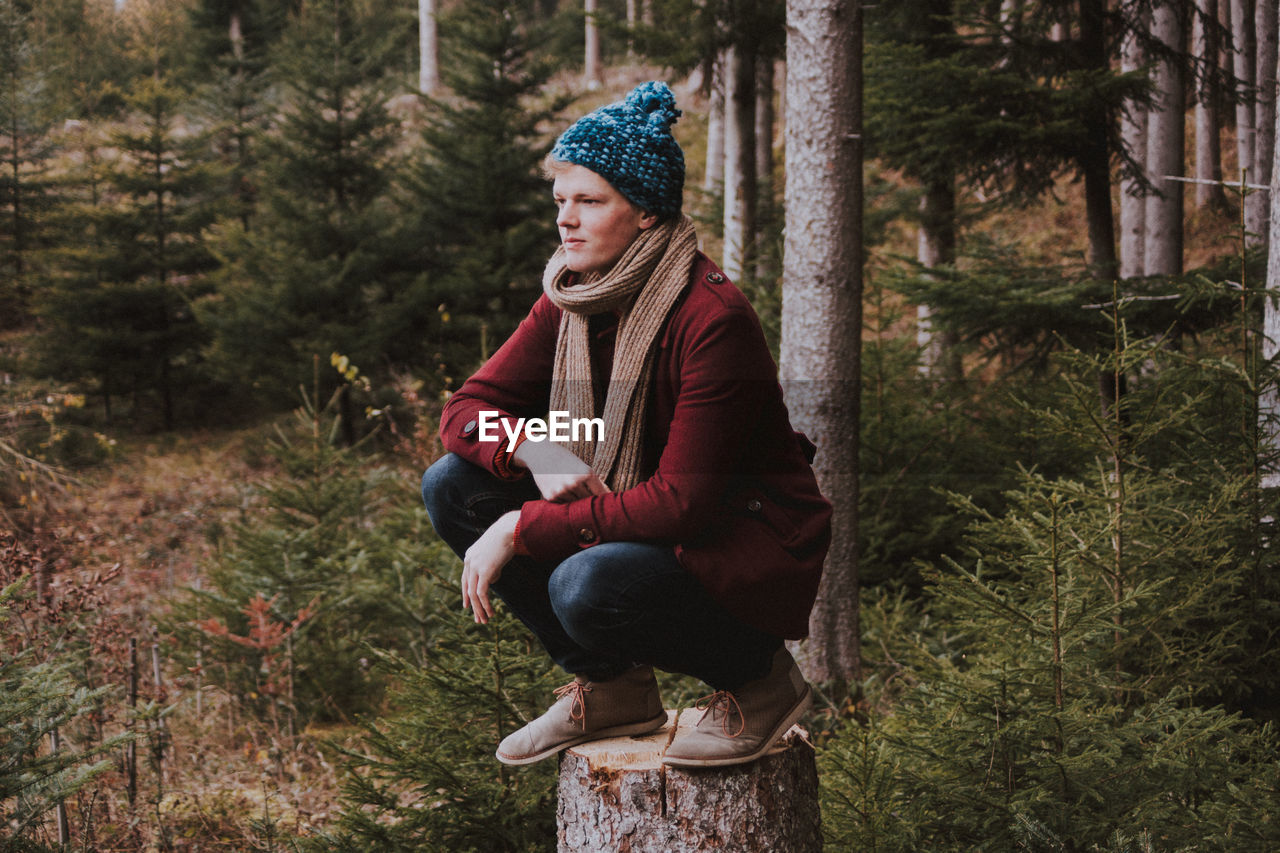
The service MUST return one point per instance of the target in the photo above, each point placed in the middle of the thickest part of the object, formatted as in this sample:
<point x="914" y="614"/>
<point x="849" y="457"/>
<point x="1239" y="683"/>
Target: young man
<point x="675" y="521"/>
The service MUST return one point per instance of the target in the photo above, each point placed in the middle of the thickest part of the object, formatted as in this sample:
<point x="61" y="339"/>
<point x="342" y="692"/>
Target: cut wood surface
<point x="615" y="795"/>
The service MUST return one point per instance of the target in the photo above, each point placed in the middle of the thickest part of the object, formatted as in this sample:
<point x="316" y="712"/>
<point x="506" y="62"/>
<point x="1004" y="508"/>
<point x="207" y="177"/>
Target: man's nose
<point x="567" y="217"/>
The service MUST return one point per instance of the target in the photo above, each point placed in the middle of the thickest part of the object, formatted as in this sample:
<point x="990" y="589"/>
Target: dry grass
<point x="150" y="520"/>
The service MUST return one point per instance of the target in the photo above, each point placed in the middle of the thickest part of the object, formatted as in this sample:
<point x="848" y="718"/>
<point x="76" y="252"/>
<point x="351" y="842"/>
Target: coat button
<point x="715" y="277"/>
<point x="469" y="428"/>
<point x="754" y="505"/>
<point x="586" y="535"/>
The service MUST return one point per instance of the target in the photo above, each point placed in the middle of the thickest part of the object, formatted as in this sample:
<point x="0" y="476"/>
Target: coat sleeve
<point x="723" y="367"/>
<point x="514" y="383"/>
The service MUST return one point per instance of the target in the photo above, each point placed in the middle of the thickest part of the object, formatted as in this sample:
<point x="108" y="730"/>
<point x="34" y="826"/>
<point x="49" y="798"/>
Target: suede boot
<point x="739" y="726"/>
<point x="589" y="710"/>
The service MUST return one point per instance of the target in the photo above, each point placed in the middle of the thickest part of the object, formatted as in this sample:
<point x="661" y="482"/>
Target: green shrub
<point x="426" y="777"/>
<point x="1068" y="691"/>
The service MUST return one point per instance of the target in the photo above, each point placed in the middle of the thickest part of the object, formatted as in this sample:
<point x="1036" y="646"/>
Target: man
<point x="681" y="527"/>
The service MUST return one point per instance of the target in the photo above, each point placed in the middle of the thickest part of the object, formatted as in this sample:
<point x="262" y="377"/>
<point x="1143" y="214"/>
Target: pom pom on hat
<point x="630" y="145"/>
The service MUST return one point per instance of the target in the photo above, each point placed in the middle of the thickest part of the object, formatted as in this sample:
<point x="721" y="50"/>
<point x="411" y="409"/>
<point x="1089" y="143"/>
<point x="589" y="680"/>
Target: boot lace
<point x="578" y="705"/>
<point x="723" y="702"/>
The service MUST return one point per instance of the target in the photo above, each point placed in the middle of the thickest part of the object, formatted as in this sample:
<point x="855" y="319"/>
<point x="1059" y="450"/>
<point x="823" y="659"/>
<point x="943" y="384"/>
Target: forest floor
<point x="150" y="519"/>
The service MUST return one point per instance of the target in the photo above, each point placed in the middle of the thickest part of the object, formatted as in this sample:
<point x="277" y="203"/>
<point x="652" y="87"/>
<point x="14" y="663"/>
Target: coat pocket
<point x="753" y="504"/>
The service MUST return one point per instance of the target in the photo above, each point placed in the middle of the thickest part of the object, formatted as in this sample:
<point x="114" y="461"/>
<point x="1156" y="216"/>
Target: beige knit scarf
<point x="643" y="285"/>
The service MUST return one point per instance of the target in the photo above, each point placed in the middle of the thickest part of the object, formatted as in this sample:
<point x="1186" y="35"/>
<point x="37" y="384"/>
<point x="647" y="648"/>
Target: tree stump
<point x="615" y="795"/>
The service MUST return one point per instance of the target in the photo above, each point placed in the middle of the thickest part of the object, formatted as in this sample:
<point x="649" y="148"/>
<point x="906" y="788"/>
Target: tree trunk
<point x="1162" y="252"/>
<point x="1244" y="62"/>
<point x="767" y="230"/>
<point x="764" y="123"/>
<point x="591" y="61"/>
<point x="740" y="160"/>
<point x="1133" y="135"/>
<point x="428" y="48"/>
<point x="615" y="795"/>
<point x="1269" y="401"/>
<point x="936" y="247"/>
<point x="632" y="20"/>
<point x="1258" y="204"/>
<point x="713" y="177"/>
<point x="1095" y="159"/>
<point x="1209" y="192"/>
<point x="235" y="31"/>
<point x="822" y="299"/>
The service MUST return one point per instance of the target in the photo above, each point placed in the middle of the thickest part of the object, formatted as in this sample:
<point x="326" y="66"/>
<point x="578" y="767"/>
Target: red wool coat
<point x="728" y="482"/>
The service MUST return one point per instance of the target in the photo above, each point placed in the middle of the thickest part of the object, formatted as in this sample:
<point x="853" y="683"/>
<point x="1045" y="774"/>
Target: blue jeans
<point x="606" y="608"/>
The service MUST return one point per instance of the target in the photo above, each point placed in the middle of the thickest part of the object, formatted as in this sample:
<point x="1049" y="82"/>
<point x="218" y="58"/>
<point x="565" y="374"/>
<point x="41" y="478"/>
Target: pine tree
<point x="1093" y="631"/>
<point x="26" y="113"/>
<point x="319" y="259"/>
<point x="481" y="212"/>
<point x="169" y="186"/>
<point x="238" y="30"/>
<point x="921" y="441"/>
<point x="77" y="307"/>
<point x="324" y="566"/>
<point x="121" y="309"/>
<point x="37" y="699"/>
<point x="235" y="104"/>
<point x="471" y="687"/>
<point x="86" y="56"/>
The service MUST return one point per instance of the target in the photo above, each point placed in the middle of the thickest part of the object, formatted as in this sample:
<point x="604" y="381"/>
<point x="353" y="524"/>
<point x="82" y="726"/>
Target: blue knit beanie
<point x="630" y="145"/>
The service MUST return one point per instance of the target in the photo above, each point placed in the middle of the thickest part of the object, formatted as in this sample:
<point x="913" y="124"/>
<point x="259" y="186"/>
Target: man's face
<point x="596" y="222"/>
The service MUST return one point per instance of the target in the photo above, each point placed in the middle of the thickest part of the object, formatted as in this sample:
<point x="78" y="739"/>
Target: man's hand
<point x="483" y="564"/>
<point x="560" y="476"/>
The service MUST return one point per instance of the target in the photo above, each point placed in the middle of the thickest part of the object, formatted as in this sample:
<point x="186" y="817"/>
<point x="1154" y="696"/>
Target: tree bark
<point x="767" y="250"/>
<point x="1269" y="399"/>
<point x="428" y="48"/>
<point x="764" y="123"/>
<point x="1258" y="204"/>
<point x="1209" y="193"/>
<point x="936" y="247"/>
<point x="1095" y="159"/>
<point x="235" y="31"/>
<point x="822" y="299"/>
<point x="591" y="49"/>
<point x="633" y="18"/>
<point x="739" y="160"/>
<point x="1244" y="65"/>
<point x="615" y="795"/>
<point x="1133" y="135"/>
<point x="713" y="177"/>
<point x="1162" y="251"/>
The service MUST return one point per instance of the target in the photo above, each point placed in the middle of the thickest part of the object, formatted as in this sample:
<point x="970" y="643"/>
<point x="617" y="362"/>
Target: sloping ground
<point x="162" y="504"/>
<point x="108" y="555"/>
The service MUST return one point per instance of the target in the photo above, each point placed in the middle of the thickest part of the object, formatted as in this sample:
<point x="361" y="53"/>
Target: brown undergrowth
<point x="107" y="555"/>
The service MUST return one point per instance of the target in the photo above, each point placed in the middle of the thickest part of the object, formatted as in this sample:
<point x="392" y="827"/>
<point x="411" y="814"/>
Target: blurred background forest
<point x="248" y="247"/>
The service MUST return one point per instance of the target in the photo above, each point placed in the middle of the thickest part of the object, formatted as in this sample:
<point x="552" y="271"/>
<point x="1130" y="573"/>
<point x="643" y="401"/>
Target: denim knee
<point x="444" y="472"/>
<point x="583" y="593"/>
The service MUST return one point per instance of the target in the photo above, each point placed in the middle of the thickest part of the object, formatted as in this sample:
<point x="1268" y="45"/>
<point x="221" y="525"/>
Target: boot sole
<point x="788" y="720"/>
<point x="630" y="729"/>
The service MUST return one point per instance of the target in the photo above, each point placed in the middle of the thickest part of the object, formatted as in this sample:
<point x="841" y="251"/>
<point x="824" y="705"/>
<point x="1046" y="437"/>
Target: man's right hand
<point x="560" y="476"/>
